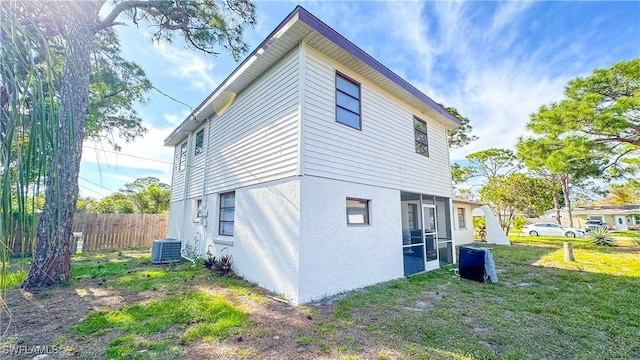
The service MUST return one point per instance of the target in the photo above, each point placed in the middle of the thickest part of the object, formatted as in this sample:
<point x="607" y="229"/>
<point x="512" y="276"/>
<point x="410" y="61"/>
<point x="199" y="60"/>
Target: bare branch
<point x="110" y="19"/>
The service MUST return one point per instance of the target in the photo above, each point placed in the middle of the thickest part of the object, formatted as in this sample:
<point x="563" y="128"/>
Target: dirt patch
<point x="40" y="318"/>
<point x="275" y="330"/>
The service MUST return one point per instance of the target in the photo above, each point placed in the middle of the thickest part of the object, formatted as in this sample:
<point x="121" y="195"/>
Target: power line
<point x="92" y="190"/>
<point x="143" y="158"/>
<point x="129" y="155"/>
<point x="96" y="184"/>
<point x="172" y="98"/>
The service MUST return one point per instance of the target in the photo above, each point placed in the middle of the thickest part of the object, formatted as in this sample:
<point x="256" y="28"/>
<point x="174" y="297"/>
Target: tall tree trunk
<point x="556" y="205"/>
<point x="507" y="227"/>
<point x="51" y="263"/>
<point x="567" y="199"/>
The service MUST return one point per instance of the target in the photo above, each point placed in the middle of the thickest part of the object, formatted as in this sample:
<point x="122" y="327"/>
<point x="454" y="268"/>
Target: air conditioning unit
<point x="165" y="250"/>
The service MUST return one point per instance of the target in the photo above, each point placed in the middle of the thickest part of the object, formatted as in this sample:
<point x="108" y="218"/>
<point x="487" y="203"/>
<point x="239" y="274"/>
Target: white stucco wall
<point x="266" y="234"/>
<point x="176" y="223"/>
<point x="335" y="257"/>
<point x="464" y="235"/>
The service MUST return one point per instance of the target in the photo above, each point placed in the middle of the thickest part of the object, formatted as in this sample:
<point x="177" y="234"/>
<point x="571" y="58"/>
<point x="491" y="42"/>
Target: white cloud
<point x="188" y="65"/>
<point x="477" y="66"/>
<point x="176" y="120"/>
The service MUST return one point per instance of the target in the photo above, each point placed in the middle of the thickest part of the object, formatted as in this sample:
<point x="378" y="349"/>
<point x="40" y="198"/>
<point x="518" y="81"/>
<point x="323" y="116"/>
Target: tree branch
<point x="110" y="19"/>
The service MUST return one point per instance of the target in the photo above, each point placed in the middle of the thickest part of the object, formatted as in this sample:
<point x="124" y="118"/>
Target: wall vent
<point x="165" y="250"/>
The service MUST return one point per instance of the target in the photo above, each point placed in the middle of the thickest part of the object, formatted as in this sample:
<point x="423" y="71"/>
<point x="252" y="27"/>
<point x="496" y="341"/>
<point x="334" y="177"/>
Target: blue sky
<point x="496" y="62"/>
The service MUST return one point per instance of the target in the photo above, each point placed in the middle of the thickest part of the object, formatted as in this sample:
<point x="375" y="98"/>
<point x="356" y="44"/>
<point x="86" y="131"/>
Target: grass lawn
<point x="119" y="306"/>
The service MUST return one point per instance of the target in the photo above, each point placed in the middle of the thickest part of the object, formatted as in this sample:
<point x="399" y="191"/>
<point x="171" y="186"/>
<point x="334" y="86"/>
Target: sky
<point x="496" y="62"/>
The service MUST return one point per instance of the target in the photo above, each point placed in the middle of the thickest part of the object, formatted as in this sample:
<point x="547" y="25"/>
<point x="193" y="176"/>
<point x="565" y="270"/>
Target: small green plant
<point x="190" y="253"/>
<point x="221" y="266"/>
<point x="601" y="236"/>
<point x="209" y="260"/>
<point x="173" y="264"/>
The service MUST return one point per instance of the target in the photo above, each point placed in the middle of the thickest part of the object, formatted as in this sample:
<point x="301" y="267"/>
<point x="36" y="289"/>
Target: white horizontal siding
<point x="383" y="153"/>
<point x="256" y="139"/>
<point x="177" y="179"/>
<point x="197" y="163"/>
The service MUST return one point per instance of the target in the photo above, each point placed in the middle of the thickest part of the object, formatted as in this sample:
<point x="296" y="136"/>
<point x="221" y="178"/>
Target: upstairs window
<point x="183" y="156"/>
<point x="348" y="102"/>
<point x="199" y="142"/>
<point x="227" y="213"/>
<point x="420" y="133"/>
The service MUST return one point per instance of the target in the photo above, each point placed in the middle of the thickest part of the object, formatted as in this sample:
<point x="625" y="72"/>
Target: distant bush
<point x="479" y="228"/>
<point x="518" y="223"/>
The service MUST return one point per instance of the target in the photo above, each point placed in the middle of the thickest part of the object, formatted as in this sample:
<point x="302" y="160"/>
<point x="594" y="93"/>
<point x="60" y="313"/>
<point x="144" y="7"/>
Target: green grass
<point x="126" y="348"/>
<point x="192" y="315"/>
<point x="159" y="315"/>
<point x="13" y="279"/>
<point x="195" y="314"/>
<point x="541" y="308"/>
<point x="626" y="233"/>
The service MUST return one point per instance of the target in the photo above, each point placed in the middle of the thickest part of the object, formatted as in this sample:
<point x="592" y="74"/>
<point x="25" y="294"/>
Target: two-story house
<point x="316" y="167"/>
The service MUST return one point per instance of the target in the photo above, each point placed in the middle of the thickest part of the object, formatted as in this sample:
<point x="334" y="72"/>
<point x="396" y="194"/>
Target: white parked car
<point x="551" y="229"/>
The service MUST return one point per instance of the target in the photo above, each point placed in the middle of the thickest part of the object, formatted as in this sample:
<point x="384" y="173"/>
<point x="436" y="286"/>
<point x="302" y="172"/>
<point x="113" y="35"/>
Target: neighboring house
<point x="620" y="217"/>
<point x="317" y="168"/>
<point x="463" y="232"/>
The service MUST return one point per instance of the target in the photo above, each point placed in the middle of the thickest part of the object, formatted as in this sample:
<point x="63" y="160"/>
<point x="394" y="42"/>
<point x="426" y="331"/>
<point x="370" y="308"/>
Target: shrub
<point x="518" y="223"/>
<point x="209" y="261"/>
<point x="601" y="236"/>
<point x="219" y="265"/>
<point x="479" y="229"/>
<point x="222" y="265"/>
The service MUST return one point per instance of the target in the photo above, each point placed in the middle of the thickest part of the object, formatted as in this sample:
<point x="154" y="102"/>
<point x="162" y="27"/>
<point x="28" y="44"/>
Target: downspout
<point x="204" y="212"/>
<point x="452" y="227"/>
<point x="187" y="167"/>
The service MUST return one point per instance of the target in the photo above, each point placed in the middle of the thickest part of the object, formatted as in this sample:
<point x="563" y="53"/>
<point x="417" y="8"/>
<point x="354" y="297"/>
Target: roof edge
<point x="328" y="32"/>
<point x="300" y="13"/>
<point x="260" y="48"/>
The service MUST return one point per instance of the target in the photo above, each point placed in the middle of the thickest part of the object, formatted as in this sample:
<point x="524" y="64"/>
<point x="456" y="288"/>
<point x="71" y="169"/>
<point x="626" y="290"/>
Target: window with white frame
<point x="182" y="161"/>
<point x="227" y="213"/>
<point x="357" y="211"/>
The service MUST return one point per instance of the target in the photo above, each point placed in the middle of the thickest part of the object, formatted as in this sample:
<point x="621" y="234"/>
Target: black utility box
<point x="477" y="264"/>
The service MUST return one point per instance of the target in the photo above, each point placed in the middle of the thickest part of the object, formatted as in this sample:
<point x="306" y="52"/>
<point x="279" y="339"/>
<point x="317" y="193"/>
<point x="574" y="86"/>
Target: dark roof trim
<point x="263" y="46"/>
<point x="326" y="31"/>
<point x="358" y="53"/>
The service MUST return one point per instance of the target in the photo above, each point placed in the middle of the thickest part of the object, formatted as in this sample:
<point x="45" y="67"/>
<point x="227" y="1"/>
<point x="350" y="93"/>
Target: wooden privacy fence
<point x="118" y="231"/>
